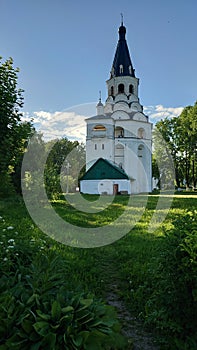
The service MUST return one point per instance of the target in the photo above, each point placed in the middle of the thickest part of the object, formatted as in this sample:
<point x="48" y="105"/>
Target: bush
<point x="71" y="321"/>
<point x="6" y="185"/>
<point x="38" y="311"/>
<point x="172" y="307"/>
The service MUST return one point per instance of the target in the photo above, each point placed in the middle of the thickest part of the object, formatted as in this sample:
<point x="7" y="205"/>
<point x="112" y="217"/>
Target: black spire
<point x="122" y="65"/>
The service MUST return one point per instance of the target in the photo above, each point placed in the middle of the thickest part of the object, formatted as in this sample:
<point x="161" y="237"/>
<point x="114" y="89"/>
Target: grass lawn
<point x="135" y="263"/>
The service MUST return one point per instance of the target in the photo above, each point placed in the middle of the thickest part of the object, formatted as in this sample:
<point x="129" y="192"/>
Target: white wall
<point x="104" y="186"/>
<point x="93" y="154"/>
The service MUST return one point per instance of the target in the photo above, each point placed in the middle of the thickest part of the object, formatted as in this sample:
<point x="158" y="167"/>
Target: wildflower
<point x="1" y="242"/>
<point x="4" y="229"/>
<point x="10" y="246"/>
<point x="1" y="217"/>
<point x="11" y="240"/>
<point x="10" y="228"/>
<point x="5" y="259"/>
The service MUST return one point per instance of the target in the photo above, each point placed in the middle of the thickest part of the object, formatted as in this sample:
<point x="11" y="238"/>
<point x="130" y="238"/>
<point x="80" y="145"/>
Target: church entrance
<point x="115" y="189"/>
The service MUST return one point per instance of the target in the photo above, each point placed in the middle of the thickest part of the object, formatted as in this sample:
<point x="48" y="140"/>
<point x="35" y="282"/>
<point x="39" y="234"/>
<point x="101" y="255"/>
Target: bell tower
<point x="120" y="132"/>
<point x="123" y="84"/>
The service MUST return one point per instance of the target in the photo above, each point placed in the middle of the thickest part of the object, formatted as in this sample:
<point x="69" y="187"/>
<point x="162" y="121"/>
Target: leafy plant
<point x="71" y="321"/>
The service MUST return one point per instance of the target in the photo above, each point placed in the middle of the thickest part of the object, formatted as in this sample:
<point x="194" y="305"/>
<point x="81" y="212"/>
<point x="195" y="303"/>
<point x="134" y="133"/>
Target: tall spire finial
<point x="121" y="19"/>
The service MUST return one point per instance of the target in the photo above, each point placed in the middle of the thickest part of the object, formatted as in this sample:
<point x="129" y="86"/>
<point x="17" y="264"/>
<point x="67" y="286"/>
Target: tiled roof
<point x="104" y="169"/>
<point x="122" y="57"/>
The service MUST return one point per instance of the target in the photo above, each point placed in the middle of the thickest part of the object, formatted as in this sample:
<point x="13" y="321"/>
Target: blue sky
<point x="65" y="49"/>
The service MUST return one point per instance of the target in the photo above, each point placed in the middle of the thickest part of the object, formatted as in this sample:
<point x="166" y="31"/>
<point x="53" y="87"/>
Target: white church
<point x="119" y="137"/>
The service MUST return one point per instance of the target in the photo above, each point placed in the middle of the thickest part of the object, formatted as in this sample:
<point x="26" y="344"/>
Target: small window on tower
<point x="121" y="68"/>
<point x="141" y="133"/>
<point x="131" y="89"/>
<point x="112" y="90"/>
<point x="121" y="88"/>
<point x="103" y="146"/>
<point x="95" y="146"/>
<point x="140" y="151"/>
<point x="130" y="70"/>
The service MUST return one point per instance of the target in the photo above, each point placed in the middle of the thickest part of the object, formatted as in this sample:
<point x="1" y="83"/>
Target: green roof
<point x="104" y="169"/>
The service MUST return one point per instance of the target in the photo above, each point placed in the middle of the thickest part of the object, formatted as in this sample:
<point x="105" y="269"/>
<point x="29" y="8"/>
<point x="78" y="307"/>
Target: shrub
<point x="172" y="307"/>
<point x="71" y="321"/>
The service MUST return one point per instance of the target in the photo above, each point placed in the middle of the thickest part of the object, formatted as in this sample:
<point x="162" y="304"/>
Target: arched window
<point x="121" y="88"/>
<point x="140" y="151"/>
<point x="141" y="133"/>
<point x="99" y="128"/>
<point x="121" y="68"/>
<point x="112" y="90"/>
<point x="119" y="154"/>
<point x="119" y="132"/>
<point x="131" y="90"/>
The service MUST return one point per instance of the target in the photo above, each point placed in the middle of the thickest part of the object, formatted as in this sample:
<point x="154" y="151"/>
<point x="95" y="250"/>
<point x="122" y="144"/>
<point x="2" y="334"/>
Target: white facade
<point x="105" y="186"/>
<point x="121" y="132"/>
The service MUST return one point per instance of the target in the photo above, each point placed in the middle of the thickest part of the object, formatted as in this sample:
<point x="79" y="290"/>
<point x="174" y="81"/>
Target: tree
<point x="187" y="142"/>
<point x="63" y="165"/>
<point x="14" y="133"/>
<point x="32" y="163"/>
<point x="180" y="135"/>
<point x="163" y="167"/>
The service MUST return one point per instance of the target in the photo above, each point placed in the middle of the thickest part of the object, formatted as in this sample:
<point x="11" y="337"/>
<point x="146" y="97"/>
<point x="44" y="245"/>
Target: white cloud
<point x="60" y="124"/>
<point x="159" y="112"/>
<point x="69" y="123"/>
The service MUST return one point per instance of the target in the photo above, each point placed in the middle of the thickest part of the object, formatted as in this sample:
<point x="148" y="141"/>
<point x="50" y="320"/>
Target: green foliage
<point x="155" y="169"/>
<point x="173" y="305"/>
<point x="63" y="166"/>
<point x="69" y="321"/>
<point x="6" y="185"/>
<point x="14" y="133"/>
<point x="180" y="135"/>
<point x="51" y="159"/>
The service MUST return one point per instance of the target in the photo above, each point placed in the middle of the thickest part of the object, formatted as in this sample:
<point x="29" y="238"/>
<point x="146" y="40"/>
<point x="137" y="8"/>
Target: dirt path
<point x="131" y="327"/>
